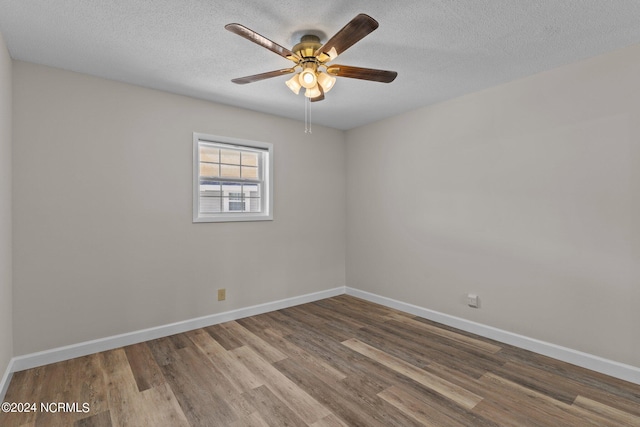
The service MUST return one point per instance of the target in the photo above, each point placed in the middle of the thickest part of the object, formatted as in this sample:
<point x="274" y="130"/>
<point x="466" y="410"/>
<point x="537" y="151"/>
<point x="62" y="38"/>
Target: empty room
<point x="366" y="213"/>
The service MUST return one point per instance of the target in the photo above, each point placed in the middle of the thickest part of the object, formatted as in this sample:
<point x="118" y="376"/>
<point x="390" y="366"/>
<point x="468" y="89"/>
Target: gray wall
<point x="527" y="194"/>
<point x="103" y="238"/>
<point x="6" y="307"/>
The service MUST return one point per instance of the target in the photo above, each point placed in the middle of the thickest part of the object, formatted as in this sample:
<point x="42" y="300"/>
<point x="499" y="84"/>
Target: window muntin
<point x="232" y="179"/>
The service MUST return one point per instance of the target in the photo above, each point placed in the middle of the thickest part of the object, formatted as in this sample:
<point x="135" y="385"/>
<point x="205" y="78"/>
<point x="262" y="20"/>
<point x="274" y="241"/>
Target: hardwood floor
<point x="336" y="362"/>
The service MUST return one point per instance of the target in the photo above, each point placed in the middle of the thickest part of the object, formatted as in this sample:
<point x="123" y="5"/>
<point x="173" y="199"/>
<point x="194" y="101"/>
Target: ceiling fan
<point x="311" y="58"/>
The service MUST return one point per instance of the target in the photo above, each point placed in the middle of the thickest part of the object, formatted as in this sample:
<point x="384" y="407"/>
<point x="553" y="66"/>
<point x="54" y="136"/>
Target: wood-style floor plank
<point x="453" y="336"/>
<point x="329" y="421"/>
<point x="146" y="372"/>
<point x="304" y="405"/>
<point x="102" y="419"/>
<point x="538" y="407"/>
<point x="252" y="420"/>
<point x="272" y="410"/>
<point x="617" y="416"/>
<point x="458" y="394"/>
<point x="127" y="405"/>
<point x="268" y="352"/>
<point x="354" y="399"/>
<point x="429" y="348"/>
<point x="303" y="357"/>
<point x="415" y="408"/>
<point x="203" y="394"/>
<point x="340" y="361"/>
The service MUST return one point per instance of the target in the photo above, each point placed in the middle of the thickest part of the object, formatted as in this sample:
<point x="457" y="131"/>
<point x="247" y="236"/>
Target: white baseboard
<point x="41" y="358"/>
<point x="575" y="357"/>
<point x="6" y="379"/>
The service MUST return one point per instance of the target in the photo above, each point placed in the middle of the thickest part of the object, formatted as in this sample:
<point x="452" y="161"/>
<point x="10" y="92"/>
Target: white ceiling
<point x="440" y="48"/>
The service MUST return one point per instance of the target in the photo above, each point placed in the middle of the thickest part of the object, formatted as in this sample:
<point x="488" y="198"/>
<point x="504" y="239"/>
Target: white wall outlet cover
<point x="472" y="300"/>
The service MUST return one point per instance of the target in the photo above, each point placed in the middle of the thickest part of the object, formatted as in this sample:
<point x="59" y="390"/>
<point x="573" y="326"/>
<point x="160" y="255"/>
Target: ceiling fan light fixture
<point x="308" y="77"/>
<point x="312" y="92"/>
<point x="333" y="54"/>
<point x="311" y="70"/>
<point x="326" y="81"/>
<point x="294" y="84"/>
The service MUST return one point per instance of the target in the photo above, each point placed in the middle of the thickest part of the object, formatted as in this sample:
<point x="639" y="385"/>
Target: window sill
<point x="233" y="218"/>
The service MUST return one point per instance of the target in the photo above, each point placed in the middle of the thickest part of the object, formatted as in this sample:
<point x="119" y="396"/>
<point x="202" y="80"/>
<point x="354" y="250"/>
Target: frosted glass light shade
<point x="326" y="81"/>
<point x="312" y="92"/>
<point x="294" y="84"/>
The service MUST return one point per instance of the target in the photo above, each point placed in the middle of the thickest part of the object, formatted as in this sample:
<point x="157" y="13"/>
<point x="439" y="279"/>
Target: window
<point x="232" y="179"/>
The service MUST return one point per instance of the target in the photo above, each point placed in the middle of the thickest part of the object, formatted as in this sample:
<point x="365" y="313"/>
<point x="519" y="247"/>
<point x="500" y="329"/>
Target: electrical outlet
<point x="472" y="300"/>
<point x="222" y="294"/>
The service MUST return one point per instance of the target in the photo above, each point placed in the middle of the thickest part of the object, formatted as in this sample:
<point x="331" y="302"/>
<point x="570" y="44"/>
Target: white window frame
<point x="267" y="191"/>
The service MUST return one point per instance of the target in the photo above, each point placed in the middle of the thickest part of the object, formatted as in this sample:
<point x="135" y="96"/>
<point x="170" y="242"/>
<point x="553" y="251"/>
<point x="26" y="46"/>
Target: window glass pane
<point x="251" y="190"/>
<point x="209" y="169"/>
<point x="236" y="206"/>
<point x="254" y="205"/>
<point x="231" y="187"/>
<point x="210" y="204"/>
<point x="211" y="188"/>
<point x="233" y="204"/>
<point x="249" y="159"/>
<point x="229" y="171"/>
<point x="230" y="157"/>
<point x="250" y="172"/>
<point x="209" y="154"/>
<point x="252" y="197"/>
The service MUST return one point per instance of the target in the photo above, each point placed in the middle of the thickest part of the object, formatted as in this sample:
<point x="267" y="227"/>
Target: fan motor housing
<point x="307" y="46"/>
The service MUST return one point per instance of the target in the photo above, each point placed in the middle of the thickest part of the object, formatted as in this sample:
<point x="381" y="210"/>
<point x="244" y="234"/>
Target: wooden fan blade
<point x="382" y="76"/>
<point x="262" y="76"/>
<point x="350" y="34"/>
<point x="319" y="97"/>
<point x="252" y="36"/>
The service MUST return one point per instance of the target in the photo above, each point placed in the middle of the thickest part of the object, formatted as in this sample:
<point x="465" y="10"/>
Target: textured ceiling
<point x="440" y="48"/>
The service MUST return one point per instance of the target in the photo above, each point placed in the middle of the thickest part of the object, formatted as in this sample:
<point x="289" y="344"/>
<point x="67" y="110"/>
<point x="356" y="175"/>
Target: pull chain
<point x="307" y="115"/>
